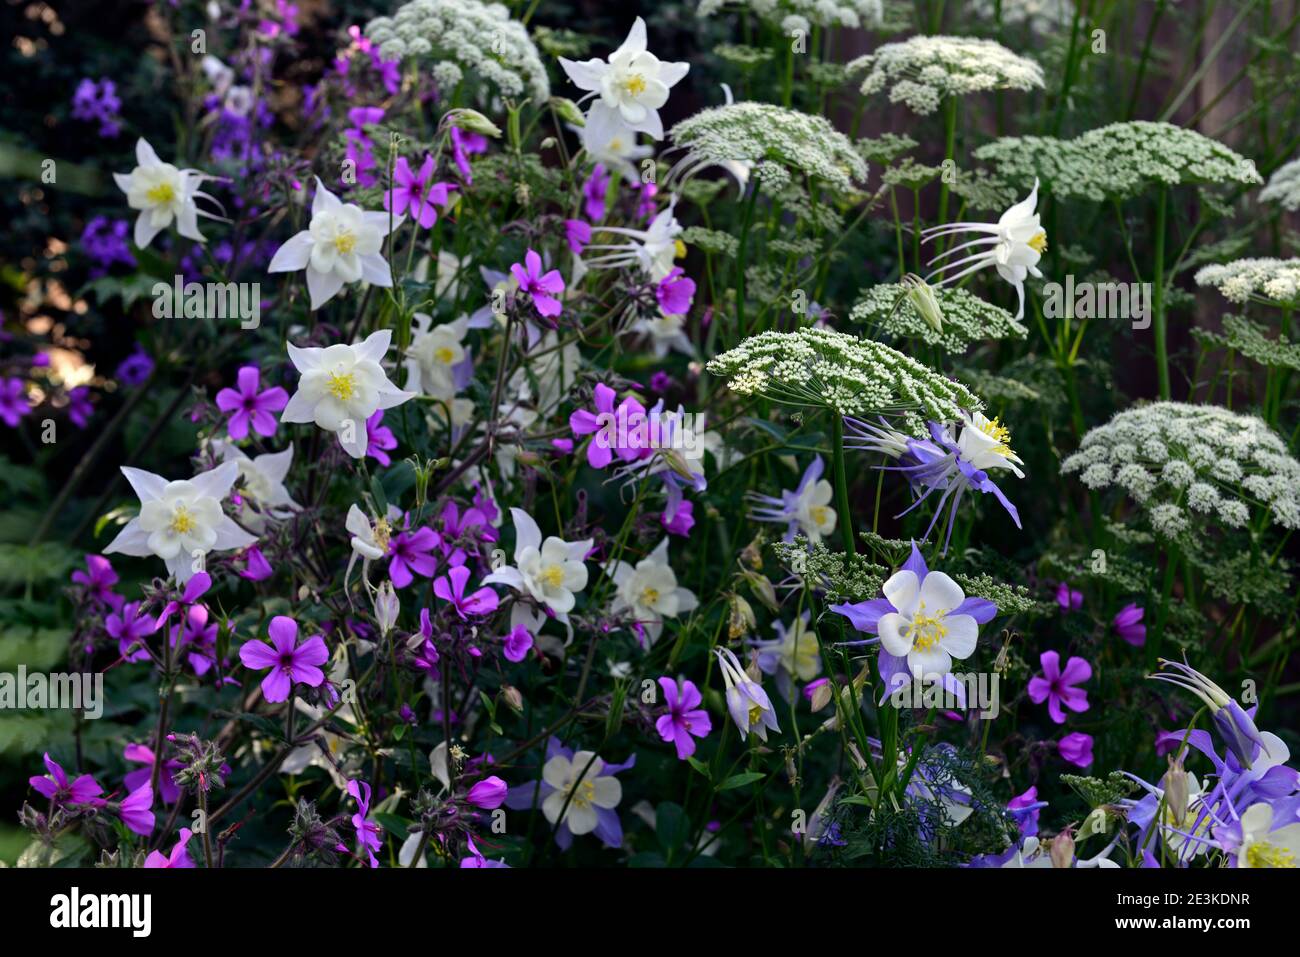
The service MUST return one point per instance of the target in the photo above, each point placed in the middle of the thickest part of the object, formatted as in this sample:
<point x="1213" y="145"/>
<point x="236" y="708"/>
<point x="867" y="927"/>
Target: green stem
<point x="1158" y="294"/>
<point x="841" y="484"/>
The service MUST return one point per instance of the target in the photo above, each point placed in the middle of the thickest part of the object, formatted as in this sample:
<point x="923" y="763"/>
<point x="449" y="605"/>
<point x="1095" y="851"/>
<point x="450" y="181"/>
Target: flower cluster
<point x="798" y="14"/>
<point x="1183" y="463"/>
<point x="965" y="318"/>
<point x="1283" y="186"/>
<point x="1269" y="281"/>
<point x="921" y="71"/>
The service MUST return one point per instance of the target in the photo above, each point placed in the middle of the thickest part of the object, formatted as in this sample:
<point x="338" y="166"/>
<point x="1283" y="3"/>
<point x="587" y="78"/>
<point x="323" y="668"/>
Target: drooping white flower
<point x="649" y="591"/>
<point x="551" y="571"/>
<point x="162" y="193"/>
<point x="747" y="703"/>
<point x="582" y="788"/>
<point x="664" y="333"/>
<point x="341" y="387"/>
<point x="369" y="539"/>
<point x="181" y="521"/>
<point x="652" y="249"/>
<point x="634" y="83"/>
<point x="433" y="355"/>
<point x="924" y="630"/>
<point x="609" y="140"/>
<point x="1013" y="245"/>
<point x="342" y="244"/>
<point x="261" y="481"/>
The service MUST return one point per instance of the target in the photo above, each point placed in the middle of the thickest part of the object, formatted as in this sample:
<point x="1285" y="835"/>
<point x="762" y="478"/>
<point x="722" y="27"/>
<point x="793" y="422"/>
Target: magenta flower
<point x="451" y="588"/>
<point x="178" y="857"/>
<point x="130" y="628"/>
<point x="685" y="720"/>
<point x="136" y="811"/>
<point x="1068" y="598"/>
<point x="410" y="551"/>
<point x="464" y="145"/>
<point x="55" y="786"/>
<point x="247" y="405"/>
<point x="80" y="408"/>
<point x="517" y="644"/>
<point x="142" y="754"/>
<point x="367" y="830"/>
<point x="675" y="292"/>
<point x="256" y="567"/>
<point x="488" y="794"/>
<point x="379" y="439"/>
<point x="289" y="661"/>
<point x="594" y="190"/>
<point x="197" y="637"/>
<point x="1076" y="748"/>
<point x="607" y="422"/>
<point x="1055" y="686"/>
<point x="416" y="193"/>
<point x="1128" y="624"/>
<point x="13" y="401"/>
<point x="679" y="520"/>
<point x="543" y="288"/>
<point x="98" y="581"/>
<point x="577" y="234"/>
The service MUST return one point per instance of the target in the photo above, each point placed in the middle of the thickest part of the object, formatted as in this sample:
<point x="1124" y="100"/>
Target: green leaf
<point x="671" y="826"/>
<point x="700" y="766"/>
<point x="740" y="780"/>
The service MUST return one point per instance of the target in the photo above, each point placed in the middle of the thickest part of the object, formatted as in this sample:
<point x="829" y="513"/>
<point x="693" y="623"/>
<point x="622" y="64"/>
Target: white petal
<point x="148" y="487"/>
<point x="939" y="593"/>
<point x="902" y="590"/>
<point x="890" y="628"/>
<point x="293" y="255"/>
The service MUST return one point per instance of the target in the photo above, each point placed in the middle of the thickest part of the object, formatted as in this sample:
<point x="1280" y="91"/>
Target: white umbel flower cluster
<point x="1270" y="281"/>
<point x="966" y="318"/>
<point x="756" y="132"/>
<point x="1283" y="186"/>
<point x="1043" y="17"/>
<point x="823" y="368"/>
<point x="478" y="38"/>
<point x="824" y="13"/>
<point x="1117" y="161"/>
<point x="922" y="70"/>
<point x="1187" y="463"/>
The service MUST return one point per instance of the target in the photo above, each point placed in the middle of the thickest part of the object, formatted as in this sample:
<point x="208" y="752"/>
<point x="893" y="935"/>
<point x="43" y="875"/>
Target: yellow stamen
<point x="679" y="249"/>
<point x="926" y="631"/>
<point x="819" y="514"/>
<point x="995" y="430"/>
<point x="444" y="355"/>
<point x="182" y="521"/>
<point x="634" y="84"/>
<point x="584" y="794"/>
<point x="1264" y="854"/>
<point x="649" y="596"/>
<point x="161" y="193"/>
<point x="552" y="575"/>
<point x="342" y="385"/>
<point x="382" y="532"/>
<point x="1039" y="243"/>
<point x="345" y="243"/>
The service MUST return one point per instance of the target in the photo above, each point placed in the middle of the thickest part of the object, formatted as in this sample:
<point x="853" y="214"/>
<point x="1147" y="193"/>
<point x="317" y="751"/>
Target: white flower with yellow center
<point x="343" y="386"/>
<point x="162" y="193"/>
<point x="650" y="591"/>
<point x="1262" y="845"/>
<point x="342" y="244"/>
<point x="633" y="83"/>
<point x="434" y="353"/>
<point x="1013" y="245"/>
<point x="664" y="333"/>
<point x="652" y="249"/>
<point x="813" y="510"/>
<point x="551" y="571"/>
<point x="580" y="789"/>
<point x="924" y="629"/>
<point x="182" y="521"/>
<point x="986" y="444"/>
<point x="609" y="140"/>
<point x="261" y="484"/>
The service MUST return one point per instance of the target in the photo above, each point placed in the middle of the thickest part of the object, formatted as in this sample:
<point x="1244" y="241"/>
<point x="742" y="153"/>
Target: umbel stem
<point x="841" y="483"/>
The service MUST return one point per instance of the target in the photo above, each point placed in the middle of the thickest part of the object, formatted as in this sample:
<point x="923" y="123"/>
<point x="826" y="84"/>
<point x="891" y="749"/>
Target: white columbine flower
<point x="343" y="386"/>
<point x="986" y="444"/>
<point x="182" y="521"/>
<point x="552" y="571"/>
<point x="653" y="248"/>
<point x="161" y="193"/>
<point x="747" y="702"/>
<point x="650" y="591"/>
<point x="924" y="630"/>
<point x="582" y="788"/>
<point x="1014" y="245"/>
<point x="609" y="140"/>
<point x="341" y="245"/>
<point x="634" y="83"/>
<point x="261" y="484"/>
<point x="433" y="355"/>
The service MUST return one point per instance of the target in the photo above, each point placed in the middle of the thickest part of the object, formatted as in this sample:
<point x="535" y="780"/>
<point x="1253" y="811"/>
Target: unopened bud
<point x="512" y="697"/>
<point x="568" y="111"/>
<point x="762" y="588"/>
<point x="1063" y="849"/>
<point x="742" y="620"/>
<point x="386" y="607"/>
<point x="472" y="121"/>
<point x="1176" y="790"/>
<point x="923" y="300"/>
<point x="821" y="694"/>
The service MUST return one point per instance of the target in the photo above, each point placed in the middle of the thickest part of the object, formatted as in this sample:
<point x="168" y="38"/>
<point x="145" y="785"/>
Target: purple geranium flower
<point x="13" y="401"/>
<point x="56" y="787"/>
<point x="517" y="644"/>
<point x="136" y="810"/>
<point x="179" y="856"/>
<point x="594" y="190"/>
<point x="685" y="720"/>
<point x="577" y="234"/>
<point x="615" y="429"/>
<point x="1128" y="625"/>
<point x="416" y="193"/>
<point x="1076" y="748"/>
<point x="410" y="551"/>
<point x="142" y="754"/>
<point x="451" y="588"/>
<point x="98" y="581"/>
<point x="675" y="292"/>
<point x="488" y="794"/>
<point x="80" y="408"/>
<point x="465" y="144"/>
<point x="289" y="661"/>
<point x="543" y="288"/>
<point x="1055" y="685"/>
<point x="249" y="406"/>
<point x="130" y="628"/>
<point x="380" y="439"/>
<point x="135" y="369"/>
<point x="1070" y="599"/>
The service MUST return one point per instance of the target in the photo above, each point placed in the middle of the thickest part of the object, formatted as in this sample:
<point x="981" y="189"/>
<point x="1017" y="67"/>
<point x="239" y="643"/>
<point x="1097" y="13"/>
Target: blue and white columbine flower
<point x="747" y="702"/>
<point x="807" y="509"/>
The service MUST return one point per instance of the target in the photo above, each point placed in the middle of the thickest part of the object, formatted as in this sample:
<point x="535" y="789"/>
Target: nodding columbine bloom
<point x="807" y="509"/>
<point x="653" y="249"/>
<point x="943" y="463"/>
<point x="1234" y="725"/>
<point x="747" y="702"/>
<point x="1014" y="245"/>
<point x="163" y="193"/>
<point x="633" y="83"/>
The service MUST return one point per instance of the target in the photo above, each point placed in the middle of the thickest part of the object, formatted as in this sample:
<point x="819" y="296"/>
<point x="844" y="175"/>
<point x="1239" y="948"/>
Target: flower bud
<point x="1063" y="849"/>
<point x="513" y="698"/>
<point x="821" y="692"/>
<point x="742" y="620"/>
<point x="761" y="587"/>
<point x="568" y="111"/>
<point x="472" y="121"/>
<point x="923" y="300"/>
<point x="1176" y="790"/>
<point x="386" y="607"/>
<point x="488" y="794"/>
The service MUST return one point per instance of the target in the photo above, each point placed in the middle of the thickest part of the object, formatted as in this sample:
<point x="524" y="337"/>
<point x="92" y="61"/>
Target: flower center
<point x="443" y="355"/>
<point x="183" y="521"/>
<point x="382" y="532"/>
<point x="342" y="385"/>
<point x="926" y="631"/>
<point x="345" y="242"/>
<point x="584" y="793"/>
<point x="999" y="433"/>
<point x="819" y="514"/>
<point x="161" y="193"/>
<point x="634" y="84"/>
<point x="1039" y="243"/>
<point x="649" y="596"/>
<point x="1264" y="854"/>
<point x="552" y="576"/>
<point x="755" y="715"/>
